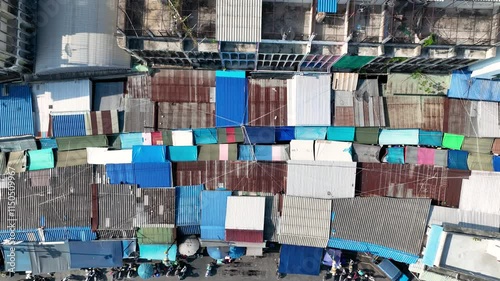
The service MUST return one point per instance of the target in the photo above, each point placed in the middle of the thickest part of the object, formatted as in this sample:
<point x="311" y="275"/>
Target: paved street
<point x="248" y="268"/>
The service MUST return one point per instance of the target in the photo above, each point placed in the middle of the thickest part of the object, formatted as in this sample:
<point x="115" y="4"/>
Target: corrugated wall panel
<point x="327" y="6"/>
<point x="180" y="86"/>
<point x="239" y="20"/>
<point x="139" y="87"/>
<point x="185" y="115"/>
<point x="16" y="111"/>
<point x="68" y="125"/>
<point x="231" y="101"/>
<point x="234" y="175"/>
<point x="239" y="235"/>
<point x="267" y="102"/>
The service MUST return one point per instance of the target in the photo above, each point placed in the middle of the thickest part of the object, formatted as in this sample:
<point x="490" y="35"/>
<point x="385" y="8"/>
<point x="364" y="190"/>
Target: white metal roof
<point x="78" y="35"/>
<point x="302" y="150"/>
<point x="309" y="100"/>
<point x="103" y="156"/>
<point x="238" y="20"/>
<point x="321" y="179"/>
<point x="305" y="221"/>
<point x="245" y="212"/>
<point x="481" y="192"/>
<point x="332" y="151"/>
<point x="470" y="219"/>
<point x="67" y="96"/>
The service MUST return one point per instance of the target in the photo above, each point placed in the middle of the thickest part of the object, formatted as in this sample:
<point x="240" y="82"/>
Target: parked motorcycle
<point x="210" y="267"/>
<point x="91" y="274"/>
<point x="131" y="271"/>
<point x="183" y="273"/>
<point x="118" y="273"/>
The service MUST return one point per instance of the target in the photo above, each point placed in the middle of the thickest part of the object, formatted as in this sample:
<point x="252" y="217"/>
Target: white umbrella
<point x="189" y="247"/>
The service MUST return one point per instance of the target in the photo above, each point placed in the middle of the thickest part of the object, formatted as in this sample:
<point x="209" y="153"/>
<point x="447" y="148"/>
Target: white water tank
<point x="78" y="35"/>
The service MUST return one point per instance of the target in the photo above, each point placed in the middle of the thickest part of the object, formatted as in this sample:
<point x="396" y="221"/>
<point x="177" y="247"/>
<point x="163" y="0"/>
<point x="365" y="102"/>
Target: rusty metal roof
<point x="139" y="87"/>
<point x="117" y="206"/>
<point x="267" y="102"/>
<point x="139" y="115"/>
<point x="233" y="175"/>
<point x="427" y="113"/>
<point x="472" y="118"/>
<point x="413" y="84"/>
<point x="411" y="181"/>
<point x="174" y="85"/>
<point x="185" y="115"/>
<point x="155" y="207"/>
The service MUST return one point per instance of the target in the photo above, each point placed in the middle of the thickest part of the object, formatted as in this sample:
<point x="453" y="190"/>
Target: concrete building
<point x="379" y="36"/>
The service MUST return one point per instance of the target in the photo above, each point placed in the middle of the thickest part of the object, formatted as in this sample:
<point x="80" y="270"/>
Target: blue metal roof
<point x="285" y="133"/>
<point x="310" y="133"/>
<point x="378" y="250"/>
<point x="213" y="215"/>
<point x="259" y="135"/>
<point x="183" y="153"/>
<point x="153" y="174"/>
<point x="16" y="111"/>
<point x="68" y="125"/>
<point x="188" y="205"/>
<point x="120" y="173"/>
<point x="300" y="260"/>
<point x="430" y="138"/>
<point x="52" y="234"/>
<point x="189" y="229"/>
<point x="341" y="133"/>
<point x="95" y="254"/>
<point x="232" y="98"/>
<point x="457" y="159"/>
<point x="326" y="6"/>
<point x="205" y="136"/>
<point x="130" y="139"/>
<point x="432" y="246"/>
<point x="149" y="154"/>
<point x="463" y="86"/>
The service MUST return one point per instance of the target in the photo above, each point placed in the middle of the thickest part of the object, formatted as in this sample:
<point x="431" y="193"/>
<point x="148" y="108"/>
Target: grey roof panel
<point x="117" y="206"/>
<point x="139" y="115"/>
<point x="155" y="207"/>
<point x="395" y="223"/>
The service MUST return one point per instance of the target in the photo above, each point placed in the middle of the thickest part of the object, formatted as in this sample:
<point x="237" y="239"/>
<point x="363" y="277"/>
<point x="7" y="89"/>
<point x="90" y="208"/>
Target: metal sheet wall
<point x="179" y="86"/>
<point x="267" y="102"/>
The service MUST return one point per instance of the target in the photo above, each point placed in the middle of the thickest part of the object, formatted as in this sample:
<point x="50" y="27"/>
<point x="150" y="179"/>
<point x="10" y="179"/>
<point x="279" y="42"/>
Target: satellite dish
<point x="67" y="49"/>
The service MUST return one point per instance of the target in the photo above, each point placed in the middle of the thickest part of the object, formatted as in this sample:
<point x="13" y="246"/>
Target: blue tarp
<point x="232" y="98"/>
<point x="496" y="163"/>
<point x="392" y="272"/>
<point x="149" y="154"/>
<point x="398" y="137"/>
<point x="16" y="111"/>
<point x="183" y="153"/>
<point x="432" y="246"/>
<point x="457" y="159"/>
<point x="462" y="86"/>
<point x="259" y="135"/>
<point x="205" y="136"/>
<point x="300" y="260"/>
<point x="246" y="153"/>
<point x="372" y="248"/>
<point x="218" y="253"/>
<point x="284" y="134"/>
<point x="120" y="173"/>
<point x="395" y="155"/>
<point x="95" y="254"/>
<point x="263" y="152"/>
<point x="188" y="207"/>
<point x="158" y="251"/>
<point x="430" y="138"/>
<point x="327" y="6"/>
<point x="341" y="133"/>
<point x="48" y="143"/>
<point x="128" y="246"/>
<point x="68" y="125"/>
<point x="19" y="259"/>
<point x="153" y="174"/>
<point x="213" y="217"/>
<point x="310" y="133"/>
<point x="130" y="139"/>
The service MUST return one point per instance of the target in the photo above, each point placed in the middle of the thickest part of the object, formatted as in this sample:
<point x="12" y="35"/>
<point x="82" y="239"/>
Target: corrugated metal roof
<point x="428" y="113"/>
<point x="231" y="100"/>
<point x="139" y="86"/>
<point x="213" y="215"/>
<point x="75" y="143"/>
<point x="233" y="175"/>
<point x="139" y="115"/>
<point x="244" y="236"/>
<point x="305" y="222"/>
<point x="238" y="20"/>
<point x="464" y="87"/>
<point x="155" y="207"/>
<point x="267" y="102"/>
<point x="155" y="235"/>
<point x="345" y="81"/>
<point x="103" y="123"/>
<point x="251" y="208"/>
<point x="68" y="96"/>
<point x="417" y="84"/>
<point x="309" y="100"/>
<point x="188" y="205"/>
<point x="108" y="96"/>
<point x="16" y="111"/>
<point x="185" y="115"/>
<point x="28" y="216"/>
<point x="321" y="179"/>
<point x="481" y="187"/>
<point x="17" y="144"/>
<point x="40" y="178"/>
<point x="327" y="6"/>
<point x="117" y="206"/>
<point x="153" y="174"/>
<point x="472" y="118"/>
<point x="395" y="223"/>
<point x="411" y="181"/>
<point x="68" y="125"/>
<point x="183" y="86"/>
<point x="464" y="218"/>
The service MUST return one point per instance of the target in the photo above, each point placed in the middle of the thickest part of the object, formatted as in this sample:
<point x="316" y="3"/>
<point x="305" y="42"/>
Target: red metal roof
<point x="267" y="102"/>
<point x="173" y="115"/>
<point x="139" y="86"/>
<point x="239" y="235"/>
<point x="174" y="85"/>
<point x="411" y="181"/>
<point x="233" y="175"/>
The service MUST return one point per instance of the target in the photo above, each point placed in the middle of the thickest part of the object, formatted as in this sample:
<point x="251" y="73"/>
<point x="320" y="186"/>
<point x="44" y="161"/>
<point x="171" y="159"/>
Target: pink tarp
<point x="426" y="156"/>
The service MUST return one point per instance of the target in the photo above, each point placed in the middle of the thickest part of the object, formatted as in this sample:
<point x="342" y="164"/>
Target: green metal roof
<point x="156" y="235"/>
<point x="352" y="62"/>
